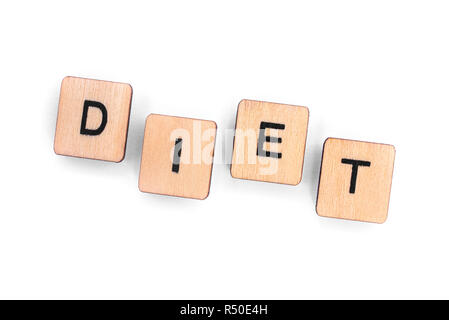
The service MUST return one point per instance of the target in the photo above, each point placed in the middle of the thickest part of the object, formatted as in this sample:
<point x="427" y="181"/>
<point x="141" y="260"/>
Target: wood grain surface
<point x="247" y="161"/>
<point x="192" y="177"/>
<point x="110" y="145"/>
<point x="365" y="198"/>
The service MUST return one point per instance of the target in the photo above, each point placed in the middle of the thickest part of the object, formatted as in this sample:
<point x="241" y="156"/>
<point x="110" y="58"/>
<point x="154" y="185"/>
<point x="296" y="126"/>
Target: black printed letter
<point x="355" y="168"/>
<point x="104" y="118"/>
<point x="263" y="138"/>
<point x="177" y="155"/>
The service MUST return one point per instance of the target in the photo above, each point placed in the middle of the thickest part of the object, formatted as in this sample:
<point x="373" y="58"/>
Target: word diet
<point x="269" y="146"/>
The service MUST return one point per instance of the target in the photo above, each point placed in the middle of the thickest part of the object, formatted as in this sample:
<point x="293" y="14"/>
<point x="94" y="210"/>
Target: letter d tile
<point x="93" y="119"/>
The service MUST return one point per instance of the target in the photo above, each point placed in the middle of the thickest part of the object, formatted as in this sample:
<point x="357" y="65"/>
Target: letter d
<point x="104" y="118"/>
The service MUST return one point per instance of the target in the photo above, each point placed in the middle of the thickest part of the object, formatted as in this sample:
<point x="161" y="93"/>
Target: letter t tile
<point x="355" y="180"/>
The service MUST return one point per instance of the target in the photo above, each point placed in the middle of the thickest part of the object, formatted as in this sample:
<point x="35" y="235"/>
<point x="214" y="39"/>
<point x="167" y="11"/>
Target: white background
<point x="368" y="70"/>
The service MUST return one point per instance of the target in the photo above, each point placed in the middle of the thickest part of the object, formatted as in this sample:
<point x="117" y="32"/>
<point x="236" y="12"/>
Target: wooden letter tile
<point x="355" y="180"/>
<point x="93" y="119"/>
<point x="177" y="156"/>
<point x="269" y="142"/>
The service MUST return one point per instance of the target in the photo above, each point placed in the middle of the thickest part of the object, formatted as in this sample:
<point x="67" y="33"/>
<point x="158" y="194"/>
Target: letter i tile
<point x="177" y="156"/>
<point x="93" y="117"/>
<point x="355" y="180"/>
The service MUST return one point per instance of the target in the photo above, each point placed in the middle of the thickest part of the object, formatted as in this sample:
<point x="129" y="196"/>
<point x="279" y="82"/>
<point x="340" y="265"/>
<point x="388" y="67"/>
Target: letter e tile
<point x="269" y="142"/>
